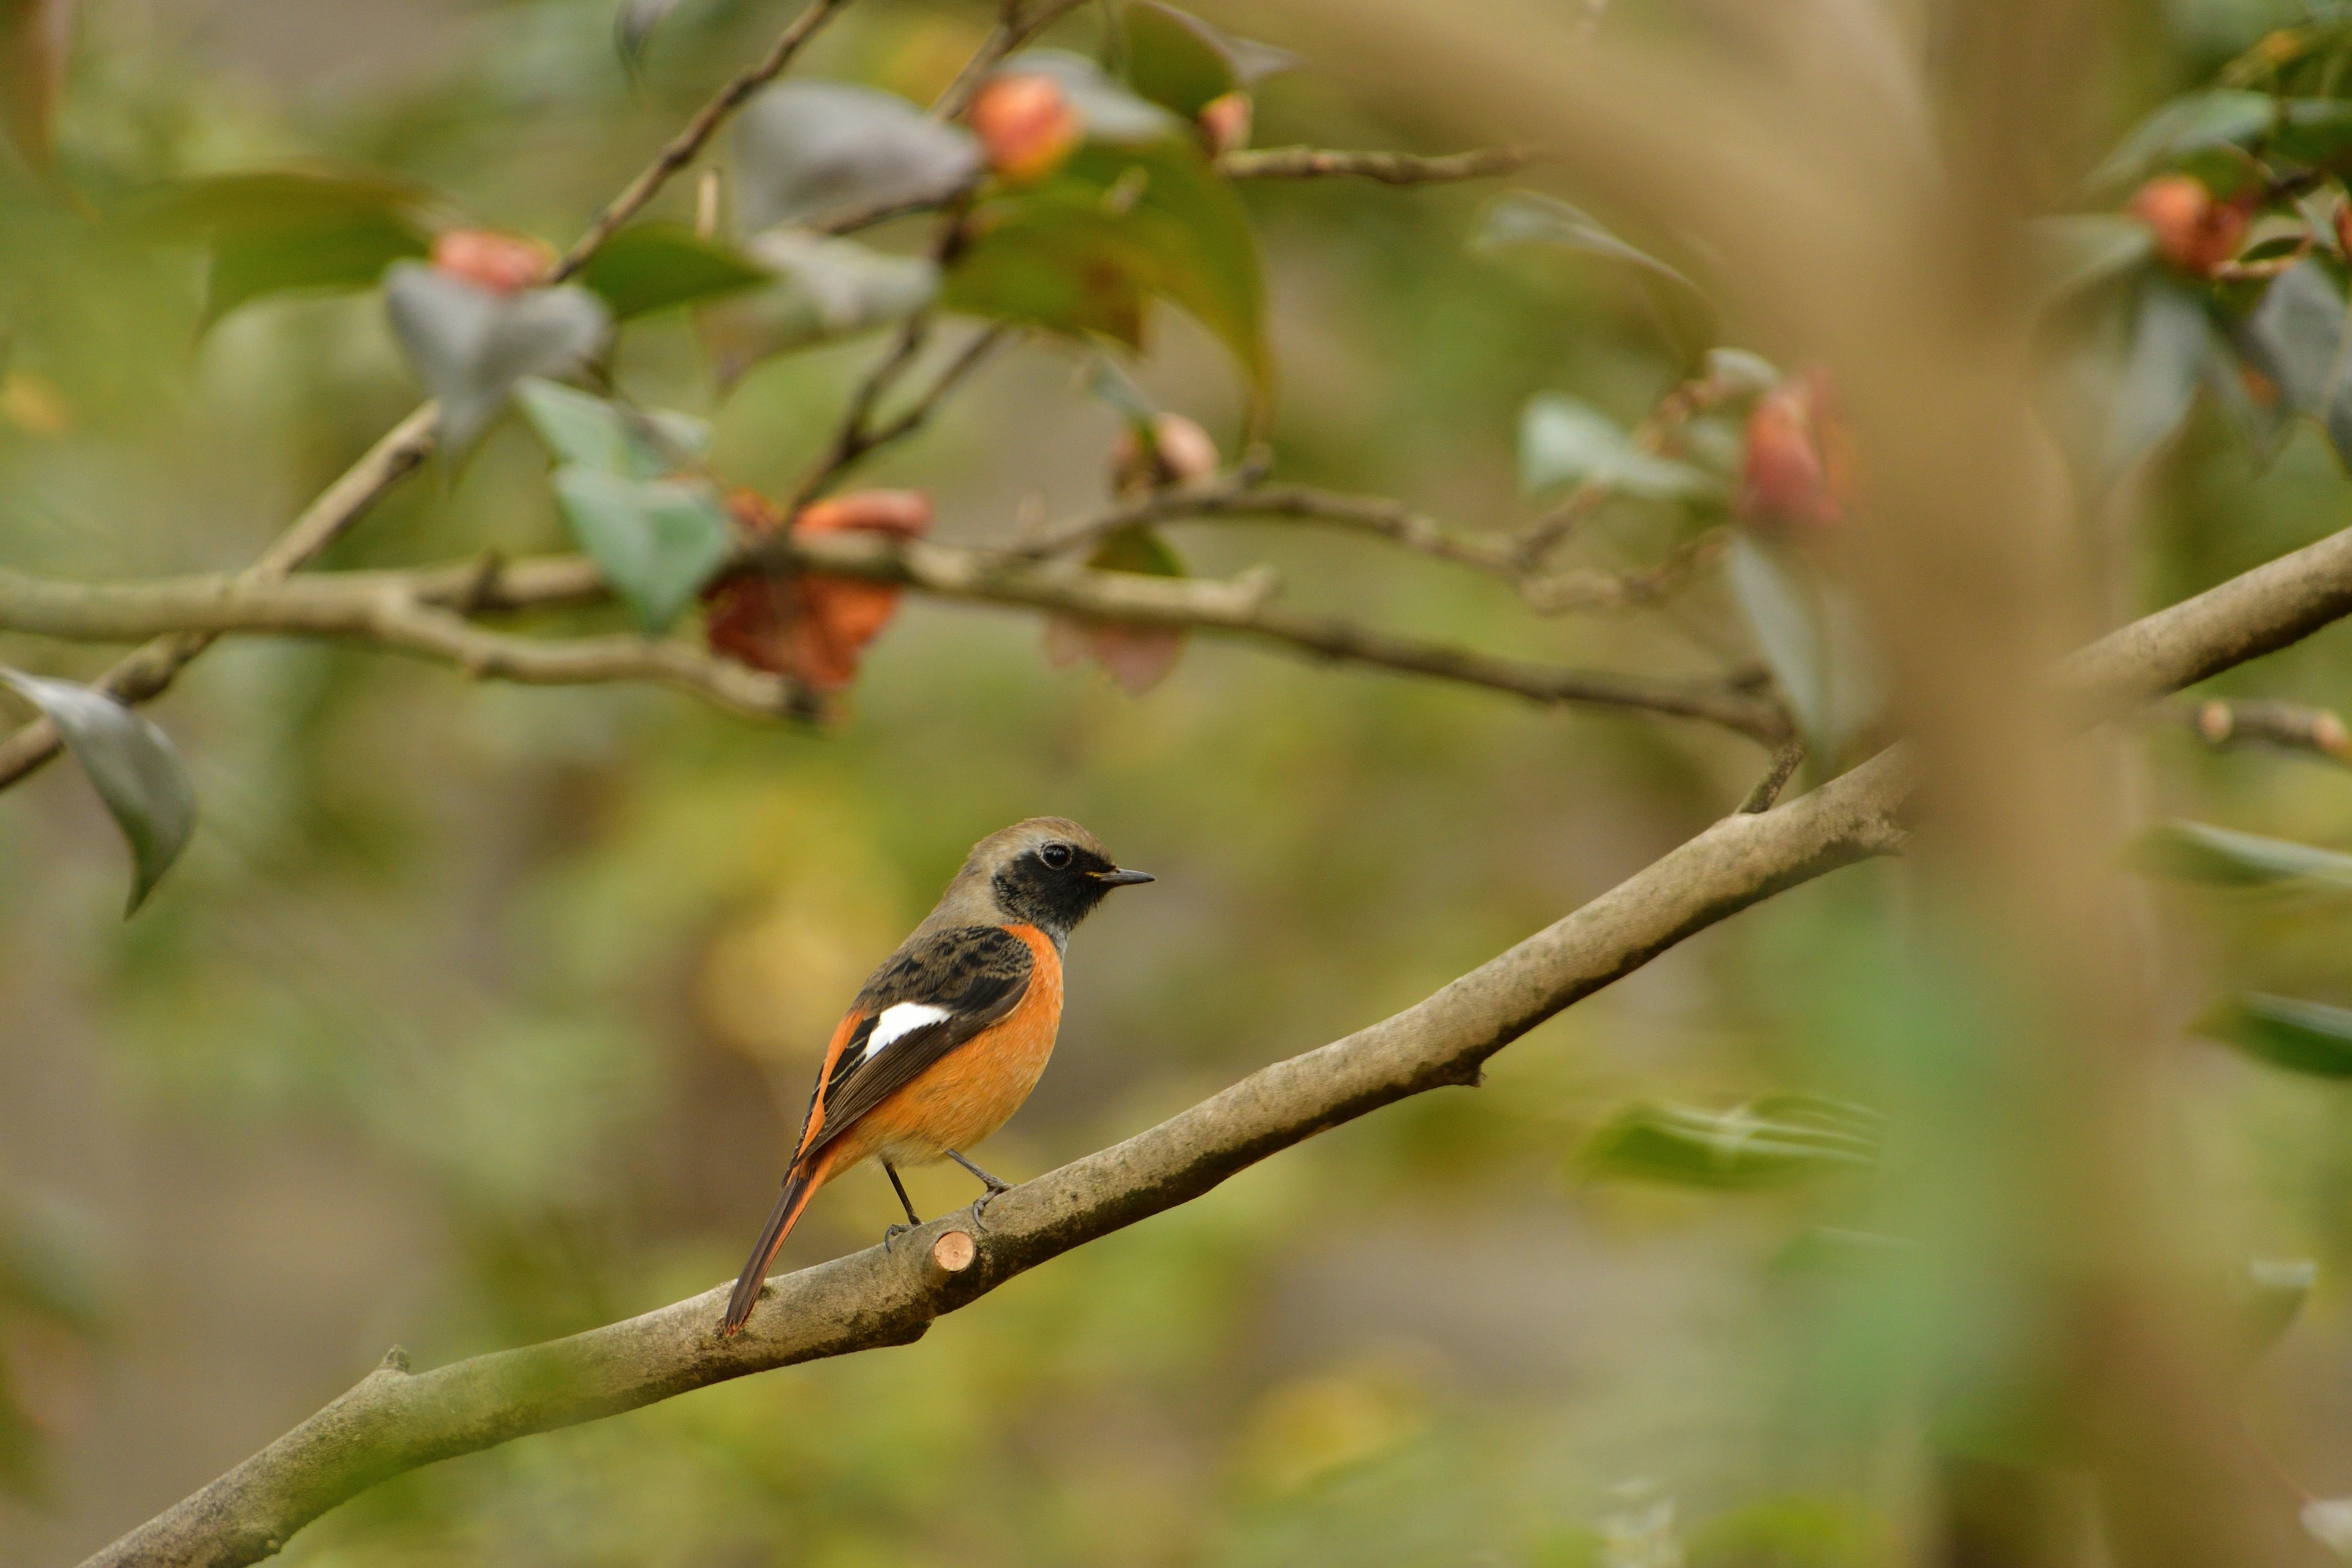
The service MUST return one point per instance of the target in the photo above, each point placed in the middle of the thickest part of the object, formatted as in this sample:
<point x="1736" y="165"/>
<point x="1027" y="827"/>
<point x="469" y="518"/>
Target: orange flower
<point x="809" y="626"/>
<point x="2194" y="232"/>
<point x="1026" y="125"/>
<point x="502" y="263"/>
<point x="1797" y="477"/>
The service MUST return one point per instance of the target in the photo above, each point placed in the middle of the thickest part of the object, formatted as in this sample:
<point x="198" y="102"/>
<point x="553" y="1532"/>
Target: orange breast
<point x="977" y="1087"/>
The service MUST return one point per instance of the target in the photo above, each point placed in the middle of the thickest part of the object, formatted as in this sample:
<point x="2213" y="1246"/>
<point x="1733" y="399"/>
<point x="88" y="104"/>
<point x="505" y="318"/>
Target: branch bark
<point x="1387" y="168"/>
<point x="394" y="1420"/>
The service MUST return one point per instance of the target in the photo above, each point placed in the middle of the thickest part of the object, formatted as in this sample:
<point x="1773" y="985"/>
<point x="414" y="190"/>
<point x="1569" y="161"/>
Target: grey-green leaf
<point x="132" y="765"/>
<point x="2300" y="337"/>
<point x="2221" y="856"/>
<point x="824" y="289"/>
<point x="1767" y="1142"/>
<point x="470" y="346"/>
<point x="656" y="540"/>
<point x="1523" y="217"/>
<point x="1811" y="637"/>
<point x="1563" y="441"/>
<point x="594" y="433"/>
<point x="2171" y="345"/>
<point x="2301" y="1036"/>
<point x="811" y="150"/>
<point x="1106" y="109"/>
<point x="2189" y="124"/>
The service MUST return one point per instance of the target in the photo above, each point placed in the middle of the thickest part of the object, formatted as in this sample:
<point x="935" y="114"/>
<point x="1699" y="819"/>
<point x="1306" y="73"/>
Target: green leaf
<point x="2224" y="117"/>
<point x="656" y="540"/>
<point x="586" y="431"/>
<point x="1563" y="441"/>
<point x="2300" y="337"/>
<point x="2270" y="1296"/>
<point x="471" y="346"/>
<point x="1772" y="1142"/>
<point x="806" y="151"/>
<point x="1525" y="218"/>
<point x="1078" y="253"/>
<point x="132" y="765"/>
<point x="2220" y="857"/>
<point x="2301" y="1036"/>
<point x="1176" y="59"/>
<point x="1812" y="639"/>
<point x="280" y="231"/>
<point x="2313" y="131"/>
<point x="820" y="288"/>
<point x="1136" y="549"/>
<point x="656" y="266"/>
<point x="2170" y="347"/>
<point x="633" y="28"/>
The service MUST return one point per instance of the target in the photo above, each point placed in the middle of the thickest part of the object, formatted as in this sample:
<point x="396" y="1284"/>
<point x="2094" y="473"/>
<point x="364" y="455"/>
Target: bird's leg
<point x="995" y="1187"/>
<point x="891" y="1233"/>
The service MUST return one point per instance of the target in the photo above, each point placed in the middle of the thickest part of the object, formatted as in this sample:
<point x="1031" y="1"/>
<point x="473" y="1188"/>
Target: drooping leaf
<point x="820" y="288"/>
<point x="656" y="540"/>
<point x="586" y="431"/>
<point x="1812" y="639"/>
<point x="2221" y="856"/>
<point x="2314" y="131"/>
<point x="132" y="765"/>
<point x="1176" y="59"/>
<point x="35" y="36"/>
<point x="2270" y="1297"/>
<point x="1108" y="110"/>
<point x="1563" y="441"/>
<point x="2077" y="251"/>
<point x="2301" y="1036"/>
<point x="2222" y="118"/>
<point x="2251" y="400"/>
<point x="1078" y="252"/>
<point x="656" y="266"/>
<point x="805" y="151"/>
<point x="280" y="231"/>
<point x="471" y="346"/>
<point x="1768" y="1143"/>
<point x="1526" y="218"/>
<point x="2299" y="338"/>
<point x="633" y="27"/>
<point x="809" y="625"/>
<point x="2170" y="347"/>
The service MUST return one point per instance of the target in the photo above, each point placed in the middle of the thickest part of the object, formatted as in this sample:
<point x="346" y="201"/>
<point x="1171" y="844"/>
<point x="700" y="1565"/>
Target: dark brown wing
<point x="927" y="1000"/>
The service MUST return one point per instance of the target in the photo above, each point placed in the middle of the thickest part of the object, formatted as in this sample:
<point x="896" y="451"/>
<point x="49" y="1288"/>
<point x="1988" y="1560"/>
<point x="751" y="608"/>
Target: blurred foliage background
<point x="479" y="1015"/>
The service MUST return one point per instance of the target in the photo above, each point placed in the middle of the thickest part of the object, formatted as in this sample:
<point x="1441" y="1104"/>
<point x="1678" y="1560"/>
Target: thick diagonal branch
<point x="394" y="1421"/>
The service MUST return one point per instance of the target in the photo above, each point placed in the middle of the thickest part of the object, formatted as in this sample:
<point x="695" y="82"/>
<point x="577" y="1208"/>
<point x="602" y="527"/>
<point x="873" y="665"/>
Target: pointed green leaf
<point x="2301" y="1036"/>
<point x="132" y="765"/>
<point x="581" y="428"/>
<point x="805" y="151"/>
<point x="2299" y="338"/>
<point x="2226" y="118"/>
<point x="1812" y="639"/>
<point x="656" y="540"/>
<point x="280" y="231"/>
<point x="1176" y="59"/>
<point x="2220" y="857"/>
<point x="653" y="266"/>
<point x="1526" y="218"/>
<point x="1563" y="441"/>
<point x="1765" y="1143"/>
<point x="470" y="346"/>
<point x="2170" y="347"/>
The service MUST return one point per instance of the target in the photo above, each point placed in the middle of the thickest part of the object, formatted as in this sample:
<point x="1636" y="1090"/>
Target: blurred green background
<point x="477" y="1014"/>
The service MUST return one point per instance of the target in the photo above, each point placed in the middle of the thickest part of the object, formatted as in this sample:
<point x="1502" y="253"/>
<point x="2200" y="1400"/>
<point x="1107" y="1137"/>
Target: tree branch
<point x="1388" y="168"/>
<point x="2222" y="723"/>
<point x="351" y="604"/>
<point x="394" y="1421"/>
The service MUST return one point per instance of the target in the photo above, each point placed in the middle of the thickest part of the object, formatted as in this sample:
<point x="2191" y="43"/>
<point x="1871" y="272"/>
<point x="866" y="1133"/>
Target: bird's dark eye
<point x="1056" y="855"/>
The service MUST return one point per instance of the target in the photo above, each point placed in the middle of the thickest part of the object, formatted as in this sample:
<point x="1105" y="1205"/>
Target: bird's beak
<point x="1122" y="879"/>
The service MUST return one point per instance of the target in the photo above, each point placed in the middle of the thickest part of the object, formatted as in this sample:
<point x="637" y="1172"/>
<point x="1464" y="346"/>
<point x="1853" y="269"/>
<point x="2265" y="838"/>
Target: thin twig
<point x="1653" y="435"/>
<point x="1016" y="25"/>
<point x="687" y="145"/>
<point x="1785" y="762"/>
<point x="858" y="437"/>
<point x="2292" y="726"/>
<point x="1388" y="168"/>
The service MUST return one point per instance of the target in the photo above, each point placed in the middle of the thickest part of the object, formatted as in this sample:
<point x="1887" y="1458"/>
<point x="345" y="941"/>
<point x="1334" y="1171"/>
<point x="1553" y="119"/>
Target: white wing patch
<point x="895" y="1022"/>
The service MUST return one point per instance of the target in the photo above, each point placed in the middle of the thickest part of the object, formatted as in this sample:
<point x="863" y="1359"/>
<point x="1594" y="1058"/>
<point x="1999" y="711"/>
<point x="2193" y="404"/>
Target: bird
<point x="952" y="1031"/>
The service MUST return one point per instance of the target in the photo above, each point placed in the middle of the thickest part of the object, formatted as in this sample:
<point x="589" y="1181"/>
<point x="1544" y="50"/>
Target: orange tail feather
<point x="801" y="1184"/>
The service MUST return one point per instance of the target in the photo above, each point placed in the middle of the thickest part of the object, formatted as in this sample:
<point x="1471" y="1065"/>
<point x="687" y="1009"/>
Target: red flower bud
<point x="1026" y="126"/>
<point x="502" y="263"/>
<point x="2193" y="231"/>
<point x="1225" y="123"/>
<point x="1183" y="455"/>
<point x="1797" y="477"/>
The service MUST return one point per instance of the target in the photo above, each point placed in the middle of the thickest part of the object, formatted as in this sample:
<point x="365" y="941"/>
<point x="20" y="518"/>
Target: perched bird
<point x="951" y="1033"/>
